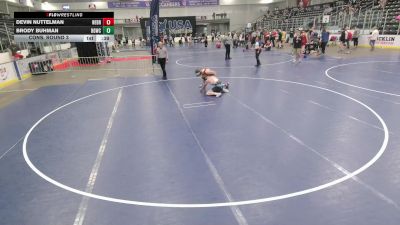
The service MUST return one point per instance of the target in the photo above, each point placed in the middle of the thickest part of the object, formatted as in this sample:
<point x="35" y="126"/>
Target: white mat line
<point x="197" y="106"/>
<point x="198" y="103"/>
<point x="80" y="216"/>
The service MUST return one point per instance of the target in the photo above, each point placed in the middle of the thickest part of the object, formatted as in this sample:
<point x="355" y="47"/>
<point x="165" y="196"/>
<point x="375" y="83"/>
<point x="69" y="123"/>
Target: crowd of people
<point x="308" y="42"/>
<point x="302" y="43"/>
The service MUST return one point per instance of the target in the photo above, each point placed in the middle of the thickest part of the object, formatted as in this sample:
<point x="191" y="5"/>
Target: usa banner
<point x="154" y="29"/>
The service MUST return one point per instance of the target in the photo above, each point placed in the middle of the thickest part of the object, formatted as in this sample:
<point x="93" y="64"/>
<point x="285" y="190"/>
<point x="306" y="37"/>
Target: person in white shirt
<point x="162" y="55"/>
<point x="228" y="44"/>
<point x="373" y="38"/>
<point x="235" y="40"/>
<point x="241" y="39"/>
<point x="257" y="49"/>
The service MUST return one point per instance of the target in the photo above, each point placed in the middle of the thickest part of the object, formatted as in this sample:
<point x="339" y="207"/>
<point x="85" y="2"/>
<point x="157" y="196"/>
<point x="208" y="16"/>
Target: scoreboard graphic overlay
<point x="64" y="26"/>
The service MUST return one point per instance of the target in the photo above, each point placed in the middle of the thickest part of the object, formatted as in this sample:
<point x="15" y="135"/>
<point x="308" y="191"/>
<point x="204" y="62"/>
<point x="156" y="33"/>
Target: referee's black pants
<point x="258" y="57"/>
<point x="227" y="51"/>
<point x="162" y="62"/>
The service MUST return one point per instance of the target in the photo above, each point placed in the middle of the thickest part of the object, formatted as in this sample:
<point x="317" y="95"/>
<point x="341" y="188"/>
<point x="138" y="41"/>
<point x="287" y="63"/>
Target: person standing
<point x="171" y="41"/>
<point x="304" y="42"/>
<point x="355" y="36"/>
<point x="205" y="41"/>
<point x="342" y="40"/>
<point x="280" y="39"/>
<point x="228" y="44"/>
<point x="373" y="38"/>
<point x="235" y="40"/>
<point x="291" y="36"/>
<point x="349" y="37"/>
<point x="162" y="55"/>
<point x="297" y="47"/>
<point x="257" y="49"/>
<point x="165" y="38"/>
<point x="324" y="40"/>
<point x="272" y="37"/>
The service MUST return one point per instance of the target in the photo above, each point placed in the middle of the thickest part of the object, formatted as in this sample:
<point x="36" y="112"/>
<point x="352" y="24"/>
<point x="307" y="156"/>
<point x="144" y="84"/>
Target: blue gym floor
<point x="315" y="143"/>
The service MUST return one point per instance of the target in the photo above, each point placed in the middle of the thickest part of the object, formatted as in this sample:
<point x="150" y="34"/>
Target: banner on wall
<point x="384" y="41"/>
<point x="163" y="3"/>
<point x="172" y="25"/>
<point x="7" y="74"/>
<point x="55" y="57"/>
<point x="23" y="65"/>
<point x="154" y="32"/>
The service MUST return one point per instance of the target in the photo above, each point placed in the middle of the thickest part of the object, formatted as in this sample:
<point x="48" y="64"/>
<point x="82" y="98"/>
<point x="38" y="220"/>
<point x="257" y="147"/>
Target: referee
<point x="162" y="55"/>
<point x="257" y="49"/>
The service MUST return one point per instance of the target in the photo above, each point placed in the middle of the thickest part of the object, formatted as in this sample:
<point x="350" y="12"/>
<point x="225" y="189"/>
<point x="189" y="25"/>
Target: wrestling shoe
<point x="227" y="85"/>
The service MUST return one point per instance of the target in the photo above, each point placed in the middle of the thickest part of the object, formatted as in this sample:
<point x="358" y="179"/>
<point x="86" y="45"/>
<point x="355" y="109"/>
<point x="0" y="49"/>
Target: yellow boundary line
<point x="8" y="83"/>
<point x="379" y="46"/>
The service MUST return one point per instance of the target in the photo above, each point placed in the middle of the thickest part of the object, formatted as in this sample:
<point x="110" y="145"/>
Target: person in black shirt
<point x="296" y="47"/>
<point x="291" y="36"/>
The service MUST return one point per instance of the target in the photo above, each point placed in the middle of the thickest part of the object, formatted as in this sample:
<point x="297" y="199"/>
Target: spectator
<point x="324" y="40"/>
<point x="297" y="47"/>
<point x="304" y="42"/>
<point x="355" y="36"/>
<point x="382" y="3"/>
<point x="349" y="38"/>
<point x="205" y="41"/>
<point x="373" y="38"/>
<point x="165" y="38"/>
<point x="171" y="41"/>
<point x="257" y="49"/>
<point x="140" y="41"/>
<point x="268" y="46"/>
<point x="266" y="36"/>
<point x="280" y="39"/>
<point x="235" y="40"/>
<point x="273" y="37"/>
<point x="291" y="36"/>
<point x="343" y="40"/>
